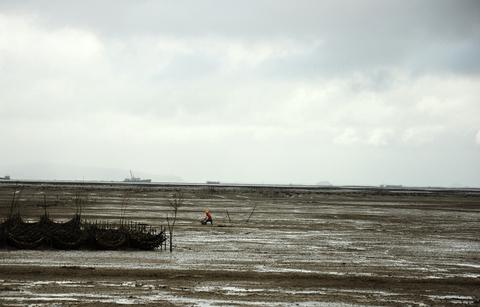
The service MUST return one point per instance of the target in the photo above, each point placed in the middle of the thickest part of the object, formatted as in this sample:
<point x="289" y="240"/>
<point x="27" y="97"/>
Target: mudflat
<point x="267" y="246"/>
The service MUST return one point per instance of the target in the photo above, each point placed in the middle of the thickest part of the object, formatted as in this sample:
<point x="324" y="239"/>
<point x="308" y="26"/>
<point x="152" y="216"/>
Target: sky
<point x="301" y="92"/>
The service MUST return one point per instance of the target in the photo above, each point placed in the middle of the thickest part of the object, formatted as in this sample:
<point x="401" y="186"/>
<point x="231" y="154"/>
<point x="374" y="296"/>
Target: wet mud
<point x="324" y="247"/>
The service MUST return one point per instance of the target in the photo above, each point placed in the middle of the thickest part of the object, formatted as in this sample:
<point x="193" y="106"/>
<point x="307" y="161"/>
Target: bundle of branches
<point x="75" y="234"/>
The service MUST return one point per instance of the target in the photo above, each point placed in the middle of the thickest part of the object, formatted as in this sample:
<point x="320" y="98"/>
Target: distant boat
<point x="135" y="179"/>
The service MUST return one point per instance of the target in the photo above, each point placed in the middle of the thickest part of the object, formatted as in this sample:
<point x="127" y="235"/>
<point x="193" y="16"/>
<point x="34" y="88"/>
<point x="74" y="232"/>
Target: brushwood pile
<point x="77" y="234"/>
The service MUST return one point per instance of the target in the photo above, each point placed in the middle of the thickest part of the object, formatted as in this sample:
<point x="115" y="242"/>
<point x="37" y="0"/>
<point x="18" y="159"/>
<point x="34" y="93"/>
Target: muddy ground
<point x="310" y="247"/>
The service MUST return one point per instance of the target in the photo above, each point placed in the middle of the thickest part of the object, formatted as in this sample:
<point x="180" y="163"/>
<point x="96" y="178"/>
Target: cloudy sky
<point x="350" y="92"/>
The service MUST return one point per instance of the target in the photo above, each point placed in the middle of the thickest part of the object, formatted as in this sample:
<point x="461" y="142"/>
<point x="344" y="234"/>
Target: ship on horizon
<point x="135" y="179"/>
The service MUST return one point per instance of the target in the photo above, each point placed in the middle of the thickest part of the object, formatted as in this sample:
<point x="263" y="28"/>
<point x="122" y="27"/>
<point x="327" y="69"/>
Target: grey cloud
<point x="459" y="58"/>
<point x="259" y="18"/>
<point x="188" y="67"/>
<point x="355" y="35"/>
<point x="372" y="55"/>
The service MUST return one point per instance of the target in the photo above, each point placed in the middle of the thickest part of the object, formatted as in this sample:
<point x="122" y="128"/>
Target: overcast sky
<point x="350" y="92"/>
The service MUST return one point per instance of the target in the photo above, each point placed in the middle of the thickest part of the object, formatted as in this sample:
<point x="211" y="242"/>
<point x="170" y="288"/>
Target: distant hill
<point x="53" y="171"/>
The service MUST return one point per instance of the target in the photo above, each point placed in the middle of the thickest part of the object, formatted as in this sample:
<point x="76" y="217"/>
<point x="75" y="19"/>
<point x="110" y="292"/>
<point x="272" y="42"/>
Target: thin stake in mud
<point x="44" y="205"/>
<point x="12" y="204"/>
<point x="176" y="202"/>
<point x="79" y="203"/>
<point x="228" y="215"/>
<point x="125" y="202"/>
<point x="251" y="213"/>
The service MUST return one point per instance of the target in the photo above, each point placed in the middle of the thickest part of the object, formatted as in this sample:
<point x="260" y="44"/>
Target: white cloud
<point x="348" y="136"/>
<point x="38" y="47"/>
<point x="477" y="138"/>
<point x="421" y="135"/>
<point x="381" y="137"/>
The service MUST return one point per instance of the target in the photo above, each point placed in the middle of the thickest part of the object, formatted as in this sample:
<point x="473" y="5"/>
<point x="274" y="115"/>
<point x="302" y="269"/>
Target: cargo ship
<point x="135" y="179"/>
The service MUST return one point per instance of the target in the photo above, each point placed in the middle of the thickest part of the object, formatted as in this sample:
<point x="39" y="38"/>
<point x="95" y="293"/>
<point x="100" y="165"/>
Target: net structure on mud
<point x="78" y="234"/>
